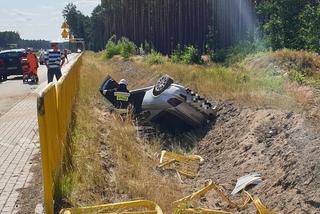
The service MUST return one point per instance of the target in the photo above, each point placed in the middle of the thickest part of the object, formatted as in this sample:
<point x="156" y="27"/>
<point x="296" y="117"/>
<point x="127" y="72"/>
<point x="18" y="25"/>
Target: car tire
<point x="162" y="84"/>
<point x="4" y="77"/>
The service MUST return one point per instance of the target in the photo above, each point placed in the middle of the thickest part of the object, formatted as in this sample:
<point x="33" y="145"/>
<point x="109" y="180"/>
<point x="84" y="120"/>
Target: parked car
<point x="11" y="62"/>
<point x="166" y="103"/>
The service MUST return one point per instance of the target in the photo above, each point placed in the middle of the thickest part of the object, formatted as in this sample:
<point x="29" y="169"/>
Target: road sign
<point x="65" y="34"/>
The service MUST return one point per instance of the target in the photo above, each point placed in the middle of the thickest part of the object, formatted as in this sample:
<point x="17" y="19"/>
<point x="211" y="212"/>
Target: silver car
<point x="167" y="103"/>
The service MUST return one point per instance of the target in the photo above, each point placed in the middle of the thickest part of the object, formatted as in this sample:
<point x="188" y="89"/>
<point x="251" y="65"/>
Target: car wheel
<point x="163" y="83"/>
<point x="4" y="77"/>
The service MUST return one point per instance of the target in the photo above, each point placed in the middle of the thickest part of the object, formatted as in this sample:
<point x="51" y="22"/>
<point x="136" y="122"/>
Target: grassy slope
<point x="109" y="162"/>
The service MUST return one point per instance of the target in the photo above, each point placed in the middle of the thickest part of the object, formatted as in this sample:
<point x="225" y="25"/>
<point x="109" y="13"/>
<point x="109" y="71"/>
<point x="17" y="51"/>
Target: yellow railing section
<point x="187" y="165"/>
<point x="55" y="104"/>
<point x="179" y="204"/>
<point x="135" y="207"/>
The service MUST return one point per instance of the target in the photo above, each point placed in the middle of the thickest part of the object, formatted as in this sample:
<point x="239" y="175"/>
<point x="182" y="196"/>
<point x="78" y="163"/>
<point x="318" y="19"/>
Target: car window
<point x="11" y="54"/>
<point x="14" y="54"/>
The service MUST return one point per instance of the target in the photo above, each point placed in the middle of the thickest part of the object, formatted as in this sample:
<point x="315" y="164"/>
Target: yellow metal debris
<point x="141" y="207"/>
<point x="187" y="165"/>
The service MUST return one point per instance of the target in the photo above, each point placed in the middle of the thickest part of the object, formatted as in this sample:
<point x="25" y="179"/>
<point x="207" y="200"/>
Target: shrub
<point x="189" y="55"/>
<point x="124" y="47"/>
<point x="176" y="55"/>
<point x="219" y="56"/>
<point x="155" y="58"/>
<point x="112" y="48"/>
<point x="127" y="48"/>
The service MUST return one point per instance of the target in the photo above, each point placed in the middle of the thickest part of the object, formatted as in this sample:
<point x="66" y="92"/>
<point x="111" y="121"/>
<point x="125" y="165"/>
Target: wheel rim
<point x="161" y="83"/>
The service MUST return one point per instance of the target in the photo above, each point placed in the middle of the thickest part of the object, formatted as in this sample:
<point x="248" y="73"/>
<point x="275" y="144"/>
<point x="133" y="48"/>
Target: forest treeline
<point x="13" y="38"/>
<point x="206" y="24"/>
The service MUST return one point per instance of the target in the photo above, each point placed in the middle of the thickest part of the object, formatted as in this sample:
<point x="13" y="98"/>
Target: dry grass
<point x="303" y="95"/>
<point x="231" y="84"/>
<point x="136" y="173"/>
<point x="302" y="61"/>
<point x="109" y="162"/>
<point x="85" y="181"/>
<point x="258" y="81"/>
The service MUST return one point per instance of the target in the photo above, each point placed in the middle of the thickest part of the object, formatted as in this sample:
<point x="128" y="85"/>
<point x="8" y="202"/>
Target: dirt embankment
<point x="282" y="146"/>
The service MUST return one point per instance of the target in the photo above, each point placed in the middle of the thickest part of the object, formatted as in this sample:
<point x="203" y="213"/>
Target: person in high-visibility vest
<point x="121" y="95"/>
<point x="33" y="65"/>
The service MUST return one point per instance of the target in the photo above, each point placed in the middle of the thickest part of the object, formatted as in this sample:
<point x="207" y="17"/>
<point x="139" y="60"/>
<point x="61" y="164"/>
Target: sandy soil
<point x="282" y="146"/>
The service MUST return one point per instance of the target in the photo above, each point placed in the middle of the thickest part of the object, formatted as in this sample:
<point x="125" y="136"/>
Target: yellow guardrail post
<point x="48" y="131"/>
<point x="54" y="107"/>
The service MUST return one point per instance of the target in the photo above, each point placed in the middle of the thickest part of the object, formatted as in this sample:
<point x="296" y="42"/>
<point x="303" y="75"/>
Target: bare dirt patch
<point x="281" y="146"/>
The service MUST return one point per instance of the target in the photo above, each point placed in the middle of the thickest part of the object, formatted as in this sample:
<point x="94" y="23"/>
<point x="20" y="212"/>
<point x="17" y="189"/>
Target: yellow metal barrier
<point x="121" y="208"/>
<point x="54" y="116"/>
<point x="49" y="138"/>
<point x="66" y="90"/>
<point x="211" y="186"/>
<point x="187" y="165"/>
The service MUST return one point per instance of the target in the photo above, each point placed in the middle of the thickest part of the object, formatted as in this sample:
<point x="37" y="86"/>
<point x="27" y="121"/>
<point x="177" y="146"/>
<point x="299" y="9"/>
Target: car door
<point x="13" y="62"/>
<point x="107" y="85"/>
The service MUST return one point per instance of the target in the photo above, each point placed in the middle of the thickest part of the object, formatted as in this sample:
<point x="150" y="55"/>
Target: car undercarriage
<point x="166" y="103"/>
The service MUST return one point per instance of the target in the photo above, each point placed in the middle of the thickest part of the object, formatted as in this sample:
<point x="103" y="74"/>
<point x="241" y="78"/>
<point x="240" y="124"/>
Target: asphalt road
<point x="13" y="90"/>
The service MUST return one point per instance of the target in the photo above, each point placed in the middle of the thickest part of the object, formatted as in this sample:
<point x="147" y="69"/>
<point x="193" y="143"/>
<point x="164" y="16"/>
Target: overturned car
<point x="165" y="103"/>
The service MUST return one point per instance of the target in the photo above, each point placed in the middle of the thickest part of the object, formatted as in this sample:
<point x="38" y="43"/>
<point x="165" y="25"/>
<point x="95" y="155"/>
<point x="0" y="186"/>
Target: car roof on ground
<point x="12" y="50"/>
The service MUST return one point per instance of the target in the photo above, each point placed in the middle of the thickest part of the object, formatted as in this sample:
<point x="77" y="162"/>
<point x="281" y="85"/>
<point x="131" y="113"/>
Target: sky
<point x="38" y="19"/>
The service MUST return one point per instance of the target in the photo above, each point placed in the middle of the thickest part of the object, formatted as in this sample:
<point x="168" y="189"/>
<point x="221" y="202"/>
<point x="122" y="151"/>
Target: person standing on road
<point x="54" y="59"/>
<point x="33" y="65"/>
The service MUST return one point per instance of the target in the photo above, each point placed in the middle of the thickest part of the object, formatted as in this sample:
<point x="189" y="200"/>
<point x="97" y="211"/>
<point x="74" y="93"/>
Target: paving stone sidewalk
<point x="18" y="144"/>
